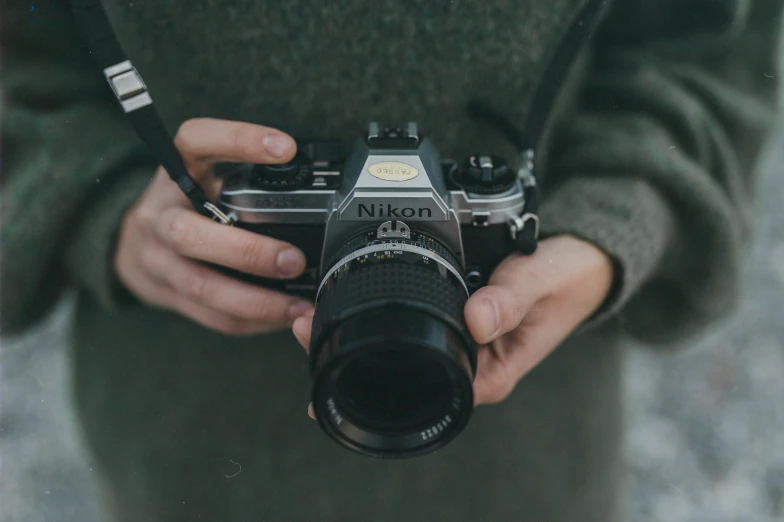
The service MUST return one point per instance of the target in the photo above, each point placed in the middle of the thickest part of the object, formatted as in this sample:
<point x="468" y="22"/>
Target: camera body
<point x="396" y="240"/>
<point x="322" y="197"/>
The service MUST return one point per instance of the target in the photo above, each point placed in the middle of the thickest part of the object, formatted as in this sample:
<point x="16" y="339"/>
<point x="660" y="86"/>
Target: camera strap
<point x="554" y="77"/>
<point x="525" y="229"/>
<point x="131" y="92"/>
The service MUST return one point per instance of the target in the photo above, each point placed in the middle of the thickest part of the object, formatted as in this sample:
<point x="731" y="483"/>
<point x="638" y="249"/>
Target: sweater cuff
<point x="627" y="218"/>
<point x="89" y="255"/>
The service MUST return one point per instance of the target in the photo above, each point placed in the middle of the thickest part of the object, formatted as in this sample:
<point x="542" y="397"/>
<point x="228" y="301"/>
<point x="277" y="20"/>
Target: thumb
<point x="302" y="328"/>
<point x="499" y="307"/>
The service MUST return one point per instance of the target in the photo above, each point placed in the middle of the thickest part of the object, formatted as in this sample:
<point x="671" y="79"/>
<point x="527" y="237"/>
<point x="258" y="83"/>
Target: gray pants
<point x="186" y="424"/>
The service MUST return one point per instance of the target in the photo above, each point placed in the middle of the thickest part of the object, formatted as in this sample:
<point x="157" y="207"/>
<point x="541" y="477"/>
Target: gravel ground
<point x="705" y="425"/>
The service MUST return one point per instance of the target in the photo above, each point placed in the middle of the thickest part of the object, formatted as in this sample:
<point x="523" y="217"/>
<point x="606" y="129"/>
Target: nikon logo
<point x="382" y="211"/>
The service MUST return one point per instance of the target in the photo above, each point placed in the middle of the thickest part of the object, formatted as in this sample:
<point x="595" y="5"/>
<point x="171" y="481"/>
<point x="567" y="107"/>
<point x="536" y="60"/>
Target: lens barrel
<point x="391" y="358"/>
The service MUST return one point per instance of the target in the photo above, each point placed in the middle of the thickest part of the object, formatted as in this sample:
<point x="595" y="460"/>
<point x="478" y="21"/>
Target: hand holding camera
<point x="530" y="305"/>
<point x="411" y="260"/>
<point x="164" y="246"/>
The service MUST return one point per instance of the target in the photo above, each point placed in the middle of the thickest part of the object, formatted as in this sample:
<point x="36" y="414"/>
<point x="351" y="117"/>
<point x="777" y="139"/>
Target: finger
<point x="494" y="381"/>
<point x="198" y="237"/>
<point x="160" y="295"/>
<point x="524" y="274"/>
<point x="220" y="321"/>
<point x="311" y="411"/>
<point x="212" y="186"/>
<point x="302" y="328"/>
<point x="503" y="363"/>
<point x="498" y="308"/>
<point x="222" y="293"/>
<point x="148" y="290"/>
<point x="205" y="141"/>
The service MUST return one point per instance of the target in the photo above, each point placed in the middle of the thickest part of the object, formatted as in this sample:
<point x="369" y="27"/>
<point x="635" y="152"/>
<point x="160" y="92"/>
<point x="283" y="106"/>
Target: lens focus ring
<point x="393" y="285"/>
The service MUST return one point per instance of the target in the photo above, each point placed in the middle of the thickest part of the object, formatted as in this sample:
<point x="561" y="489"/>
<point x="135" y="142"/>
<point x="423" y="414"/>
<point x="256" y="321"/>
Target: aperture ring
<point x="391" y="246"/>
<point x="391" y="285"/>
<point x="370" y="237"/>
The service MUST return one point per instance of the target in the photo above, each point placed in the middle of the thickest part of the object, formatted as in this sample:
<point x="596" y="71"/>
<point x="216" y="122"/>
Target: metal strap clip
<point x="219" y="216"/>
<point x="128" y="86"/>
<point x="517" y="224"/>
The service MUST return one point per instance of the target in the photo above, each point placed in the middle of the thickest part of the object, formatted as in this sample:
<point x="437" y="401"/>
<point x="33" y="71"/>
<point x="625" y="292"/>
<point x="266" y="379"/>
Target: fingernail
<point x="299" y="309"/>
<point x="311" y="411"/>
<point x="278" y="144"/>
<point x="291" y="262"/>
<point x="491" y="319"/>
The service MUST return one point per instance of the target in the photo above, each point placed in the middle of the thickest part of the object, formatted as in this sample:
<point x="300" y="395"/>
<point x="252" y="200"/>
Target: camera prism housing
<point x="396" y="240"/>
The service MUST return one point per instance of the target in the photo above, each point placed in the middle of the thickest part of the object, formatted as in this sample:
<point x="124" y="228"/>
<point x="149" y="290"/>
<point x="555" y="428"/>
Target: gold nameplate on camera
<point x="393" y="171"/>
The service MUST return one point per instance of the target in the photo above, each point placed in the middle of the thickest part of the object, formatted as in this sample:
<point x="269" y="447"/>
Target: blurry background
<point x="705" y="439"/>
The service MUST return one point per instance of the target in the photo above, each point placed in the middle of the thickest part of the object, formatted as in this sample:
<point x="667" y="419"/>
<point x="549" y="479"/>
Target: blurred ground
<point x="705" y="425"/>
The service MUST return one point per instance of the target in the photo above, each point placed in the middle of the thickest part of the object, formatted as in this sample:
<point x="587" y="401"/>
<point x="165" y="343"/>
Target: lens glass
<point x="394" y="390"/>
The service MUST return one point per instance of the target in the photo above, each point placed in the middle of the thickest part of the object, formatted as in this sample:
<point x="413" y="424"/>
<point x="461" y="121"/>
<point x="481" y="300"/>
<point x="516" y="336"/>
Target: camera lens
<point x="394" y="390"/>
<point x="392" y="359"/>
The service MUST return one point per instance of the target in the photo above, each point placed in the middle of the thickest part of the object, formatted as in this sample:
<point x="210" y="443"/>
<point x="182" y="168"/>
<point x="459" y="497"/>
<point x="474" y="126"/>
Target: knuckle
<point x="145" y="216"/>
<point x="177" y="229"/>
<point x="196" y="287"/>
<point x="262" y="311"/>
<point x="253" y="254"/>
<point x="183" y="138"/>
<point x="148" y="259"/>
<point x="243" y="138"/>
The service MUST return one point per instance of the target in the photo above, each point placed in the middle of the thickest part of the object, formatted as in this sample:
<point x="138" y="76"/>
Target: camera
<point x="396" y="240"/>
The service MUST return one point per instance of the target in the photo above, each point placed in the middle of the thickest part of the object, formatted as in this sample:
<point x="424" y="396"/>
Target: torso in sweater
<point x="324" y="69"/>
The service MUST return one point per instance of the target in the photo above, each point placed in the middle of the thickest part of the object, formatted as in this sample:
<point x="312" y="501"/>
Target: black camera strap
<point x="553" y="79"/>
<point x="525" y="229"/>
<point x="131" y="92"/>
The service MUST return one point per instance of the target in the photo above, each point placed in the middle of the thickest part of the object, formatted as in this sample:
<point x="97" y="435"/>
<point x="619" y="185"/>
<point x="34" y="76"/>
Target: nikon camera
<point x="396" y="240"/>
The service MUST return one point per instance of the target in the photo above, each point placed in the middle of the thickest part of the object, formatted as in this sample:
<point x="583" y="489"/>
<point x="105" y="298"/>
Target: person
<point x="189" y="386"/>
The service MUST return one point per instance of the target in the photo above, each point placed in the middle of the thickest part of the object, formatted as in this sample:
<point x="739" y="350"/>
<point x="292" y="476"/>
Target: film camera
<point x="396" y="240"/>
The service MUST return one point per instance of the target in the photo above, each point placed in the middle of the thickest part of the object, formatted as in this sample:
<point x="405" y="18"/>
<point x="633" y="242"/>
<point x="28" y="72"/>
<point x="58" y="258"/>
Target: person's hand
<point x="164" y="245"/>
<point x="530" y="305"/>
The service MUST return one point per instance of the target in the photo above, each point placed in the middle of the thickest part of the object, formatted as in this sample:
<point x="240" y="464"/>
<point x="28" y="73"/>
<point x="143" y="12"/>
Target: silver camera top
<point x="390" y="174"/>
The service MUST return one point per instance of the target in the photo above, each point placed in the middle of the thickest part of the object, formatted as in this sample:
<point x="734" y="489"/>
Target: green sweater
<point x="650" y="155"/>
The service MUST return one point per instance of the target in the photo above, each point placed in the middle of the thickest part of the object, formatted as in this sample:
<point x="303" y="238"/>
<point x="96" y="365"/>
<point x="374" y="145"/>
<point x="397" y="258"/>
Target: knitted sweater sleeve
<point x="656" y="164"/>
<point x="71" y="165"/>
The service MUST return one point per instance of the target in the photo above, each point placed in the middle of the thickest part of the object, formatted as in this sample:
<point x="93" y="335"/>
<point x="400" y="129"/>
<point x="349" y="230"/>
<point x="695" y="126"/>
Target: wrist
<point x="625" y="218"/>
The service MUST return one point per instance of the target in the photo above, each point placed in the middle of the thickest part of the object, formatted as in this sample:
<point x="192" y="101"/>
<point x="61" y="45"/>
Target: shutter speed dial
<point x="292" y="175"/>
